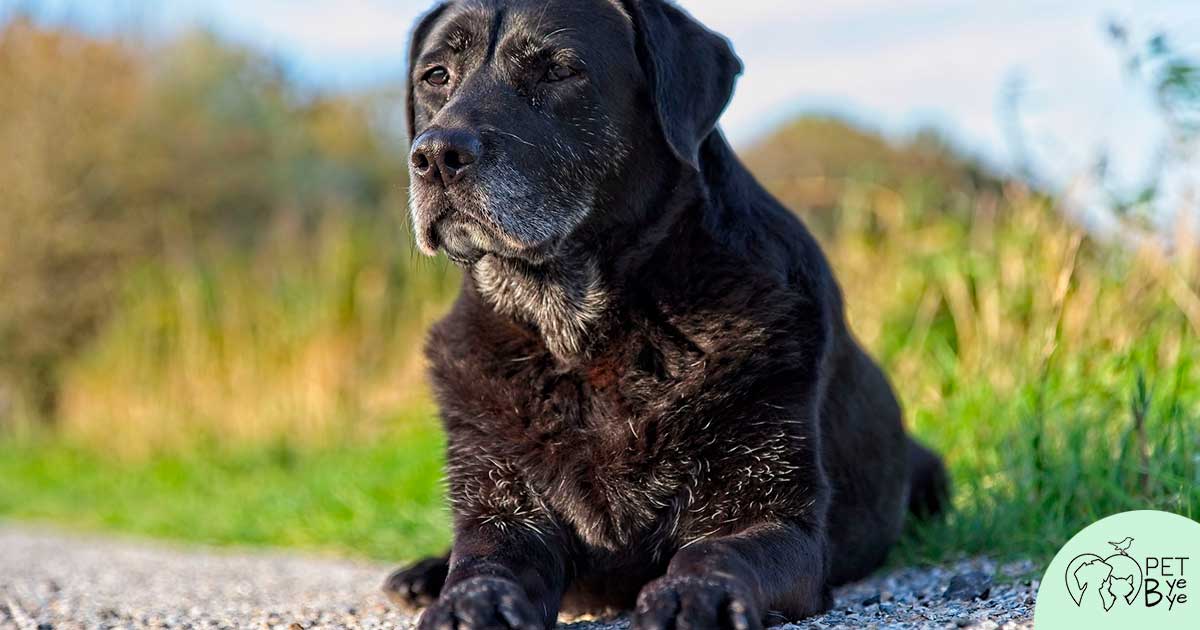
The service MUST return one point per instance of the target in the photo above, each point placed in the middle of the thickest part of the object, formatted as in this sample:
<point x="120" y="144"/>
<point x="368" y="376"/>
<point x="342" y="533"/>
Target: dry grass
<point x="295" y="346"/>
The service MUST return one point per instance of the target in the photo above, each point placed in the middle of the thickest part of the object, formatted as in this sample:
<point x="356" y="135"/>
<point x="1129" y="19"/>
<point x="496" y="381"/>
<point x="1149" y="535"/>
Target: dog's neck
<point x="568" y="297"/>
<point x="564" y="298"/>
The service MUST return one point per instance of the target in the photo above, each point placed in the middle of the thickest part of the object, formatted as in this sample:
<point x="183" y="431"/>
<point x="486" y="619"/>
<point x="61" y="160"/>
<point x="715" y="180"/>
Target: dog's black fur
<point x="650" y="393"/>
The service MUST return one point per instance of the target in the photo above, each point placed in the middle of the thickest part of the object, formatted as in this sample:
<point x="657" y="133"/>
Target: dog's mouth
<point x="465" y="236"/>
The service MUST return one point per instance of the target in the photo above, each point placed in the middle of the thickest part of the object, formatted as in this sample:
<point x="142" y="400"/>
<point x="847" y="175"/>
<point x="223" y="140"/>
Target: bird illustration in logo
<point x="1122" y="546"/>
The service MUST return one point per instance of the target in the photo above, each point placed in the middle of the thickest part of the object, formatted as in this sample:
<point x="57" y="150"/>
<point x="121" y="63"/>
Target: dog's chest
<point x="626" y="448"/>
<point x="608" y="442"/>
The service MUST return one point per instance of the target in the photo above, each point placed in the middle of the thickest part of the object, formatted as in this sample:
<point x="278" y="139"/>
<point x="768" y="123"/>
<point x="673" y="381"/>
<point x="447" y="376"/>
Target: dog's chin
<point x="454" y="227"/>
<point x="462" y="240"/>
<point x="465" y="241"/>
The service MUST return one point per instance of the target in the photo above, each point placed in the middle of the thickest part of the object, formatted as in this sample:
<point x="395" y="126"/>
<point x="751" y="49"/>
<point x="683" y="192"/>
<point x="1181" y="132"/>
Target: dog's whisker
<point x="515" y="137"/>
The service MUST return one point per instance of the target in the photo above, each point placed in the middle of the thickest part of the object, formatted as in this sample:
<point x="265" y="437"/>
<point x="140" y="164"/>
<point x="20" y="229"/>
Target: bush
<point x="119" y="155"/>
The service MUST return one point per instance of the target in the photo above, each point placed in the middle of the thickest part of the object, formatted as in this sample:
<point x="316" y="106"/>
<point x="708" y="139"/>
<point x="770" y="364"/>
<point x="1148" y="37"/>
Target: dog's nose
<point x="445" y="155"/>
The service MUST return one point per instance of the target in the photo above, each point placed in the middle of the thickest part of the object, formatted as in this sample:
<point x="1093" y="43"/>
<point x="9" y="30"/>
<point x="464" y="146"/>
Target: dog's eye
<point x="437" y="76"/>
<point x="558" y="72"/>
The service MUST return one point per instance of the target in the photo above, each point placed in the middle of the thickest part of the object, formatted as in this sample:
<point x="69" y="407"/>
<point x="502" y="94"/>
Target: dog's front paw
<point x="689" y="603"/>
<point x="417" y="585"/>
<point x="482" y="603"/>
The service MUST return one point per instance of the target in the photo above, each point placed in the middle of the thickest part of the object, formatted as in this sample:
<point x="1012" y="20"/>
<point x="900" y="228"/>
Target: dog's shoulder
<point x="748" y="280"/>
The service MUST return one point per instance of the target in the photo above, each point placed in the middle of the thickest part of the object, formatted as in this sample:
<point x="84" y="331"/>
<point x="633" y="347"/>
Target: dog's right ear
<point x="415" y="43"/>
<point x="691" y="71"/>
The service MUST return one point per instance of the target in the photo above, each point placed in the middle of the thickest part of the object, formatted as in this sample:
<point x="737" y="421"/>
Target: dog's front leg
<point x="502" y="575"/>
<point x="732" y="581"/>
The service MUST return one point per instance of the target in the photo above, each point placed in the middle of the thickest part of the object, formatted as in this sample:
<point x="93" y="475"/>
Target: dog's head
<point x="523" y="113"/>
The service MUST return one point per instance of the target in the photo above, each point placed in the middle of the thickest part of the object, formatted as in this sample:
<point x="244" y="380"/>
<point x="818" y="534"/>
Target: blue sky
<point x="895" y="65"/>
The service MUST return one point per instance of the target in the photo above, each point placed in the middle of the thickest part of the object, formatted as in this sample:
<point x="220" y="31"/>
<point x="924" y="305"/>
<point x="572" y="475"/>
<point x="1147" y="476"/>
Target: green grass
<point x="380" y="499"/>
<point x="1063" y="454"/>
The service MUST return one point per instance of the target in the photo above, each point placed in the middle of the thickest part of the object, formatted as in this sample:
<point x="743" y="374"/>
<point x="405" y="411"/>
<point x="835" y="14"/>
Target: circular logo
<point x="1132" y="568"/>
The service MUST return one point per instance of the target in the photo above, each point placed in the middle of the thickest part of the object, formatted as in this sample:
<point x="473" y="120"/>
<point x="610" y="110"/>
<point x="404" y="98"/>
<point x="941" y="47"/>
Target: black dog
<point x="650" y="393"/>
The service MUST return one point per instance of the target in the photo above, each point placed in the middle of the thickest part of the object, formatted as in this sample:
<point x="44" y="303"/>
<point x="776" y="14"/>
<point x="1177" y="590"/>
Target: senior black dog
<point x="651" y="396"/>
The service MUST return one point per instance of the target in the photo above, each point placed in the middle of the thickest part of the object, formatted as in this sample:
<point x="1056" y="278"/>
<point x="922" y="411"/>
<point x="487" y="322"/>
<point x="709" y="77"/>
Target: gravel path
<point x="51" y="580"/>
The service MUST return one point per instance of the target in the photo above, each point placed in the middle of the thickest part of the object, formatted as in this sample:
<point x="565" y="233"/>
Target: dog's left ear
<point x="691" y="71"/>
<point x="415" y="43"/>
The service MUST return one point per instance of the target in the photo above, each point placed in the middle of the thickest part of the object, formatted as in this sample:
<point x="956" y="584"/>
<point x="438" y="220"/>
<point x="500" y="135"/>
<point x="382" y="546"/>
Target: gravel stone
<point x="968" y="586"/>
<point x="59" y="581"/>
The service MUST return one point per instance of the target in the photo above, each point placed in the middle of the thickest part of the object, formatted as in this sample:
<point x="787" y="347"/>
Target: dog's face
<point x="522" y="112"/>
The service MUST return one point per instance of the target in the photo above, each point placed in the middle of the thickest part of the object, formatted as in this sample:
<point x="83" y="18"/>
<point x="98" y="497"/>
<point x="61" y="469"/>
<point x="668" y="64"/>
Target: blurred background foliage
<point x="181" y="225"/>
<point x="211" y="311"/>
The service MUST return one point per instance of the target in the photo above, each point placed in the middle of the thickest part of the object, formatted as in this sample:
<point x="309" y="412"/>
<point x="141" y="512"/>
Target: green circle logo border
<point x="1140" y="567"/>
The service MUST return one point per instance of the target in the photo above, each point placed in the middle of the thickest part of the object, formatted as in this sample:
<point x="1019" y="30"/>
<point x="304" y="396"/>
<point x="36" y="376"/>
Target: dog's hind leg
<point x="419" y="584"/>
<point x="929" y="485"/>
